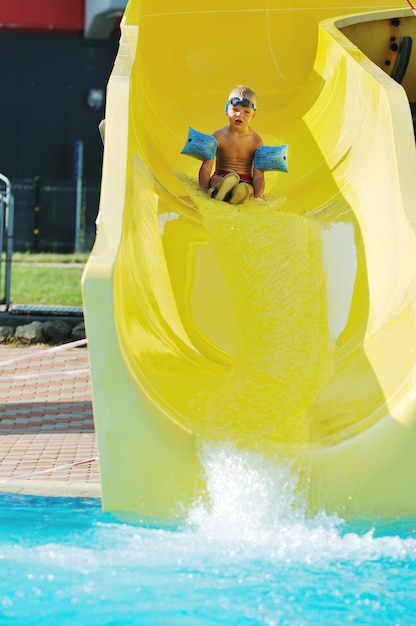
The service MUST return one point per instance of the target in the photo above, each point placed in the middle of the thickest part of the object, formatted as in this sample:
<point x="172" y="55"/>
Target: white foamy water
<point x="255" y="503"/>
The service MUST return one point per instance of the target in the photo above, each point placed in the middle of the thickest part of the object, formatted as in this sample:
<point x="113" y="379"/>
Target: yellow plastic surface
<point x="286" y="326"/>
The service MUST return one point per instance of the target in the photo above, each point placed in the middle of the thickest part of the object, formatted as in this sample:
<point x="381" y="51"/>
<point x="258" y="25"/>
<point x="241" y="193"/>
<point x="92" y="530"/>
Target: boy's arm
<point x="258" y="183"/>
<point x="204" y="175"/>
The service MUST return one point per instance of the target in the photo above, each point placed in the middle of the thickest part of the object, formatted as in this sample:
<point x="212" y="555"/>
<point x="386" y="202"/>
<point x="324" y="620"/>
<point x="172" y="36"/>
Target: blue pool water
<point x="251" y="557"/>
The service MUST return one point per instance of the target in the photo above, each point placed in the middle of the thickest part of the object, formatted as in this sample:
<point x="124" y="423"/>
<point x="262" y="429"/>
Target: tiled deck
<point x="47" y="440"/>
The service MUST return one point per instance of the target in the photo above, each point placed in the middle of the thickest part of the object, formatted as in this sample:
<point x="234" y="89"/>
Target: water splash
<point x="250" y="496"/>
<point x="256" y="503"/>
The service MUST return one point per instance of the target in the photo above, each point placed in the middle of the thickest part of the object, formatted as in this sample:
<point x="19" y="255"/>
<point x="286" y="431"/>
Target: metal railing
<point x="6" y="236"/>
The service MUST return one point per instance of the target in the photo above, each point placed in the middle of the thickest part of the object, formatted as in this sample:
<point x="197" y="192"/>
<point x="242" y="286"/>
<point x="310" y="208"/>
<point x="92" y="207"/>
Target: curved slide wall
<point x="286" y="326"/>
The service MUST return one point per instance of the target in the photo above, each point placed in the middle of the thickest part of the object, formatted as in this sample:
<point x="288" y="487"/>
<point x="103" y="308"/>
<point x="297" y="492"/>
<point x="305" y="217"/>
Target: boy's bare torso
<point x="236" y="150"/>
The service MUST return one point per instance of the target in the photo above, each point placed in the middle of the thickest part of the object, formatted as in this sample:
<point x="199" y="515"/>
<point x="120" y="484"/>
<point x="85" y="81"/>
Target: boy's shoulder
<point x="257" y="139"/>
<point x="256" y="135"/>
<point x="220" y="131"/>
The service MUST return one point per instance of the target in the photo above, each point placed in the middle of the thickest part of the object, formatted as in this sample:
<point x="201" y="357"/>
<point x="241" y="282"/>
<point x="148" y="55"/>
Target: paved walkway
<point x="47" y="440"/>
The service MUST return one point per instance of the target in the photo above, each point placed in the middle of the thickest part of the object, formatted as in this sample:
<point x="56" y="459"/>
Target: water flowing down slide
<point x="283" y="327"/>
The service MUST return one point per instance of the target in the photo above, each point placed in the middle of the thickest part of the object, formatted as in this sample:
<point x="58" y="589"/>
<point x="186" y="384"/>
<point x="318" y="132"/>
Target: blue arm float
<point x="200" y="145"/>
<point x="271" y="158"/>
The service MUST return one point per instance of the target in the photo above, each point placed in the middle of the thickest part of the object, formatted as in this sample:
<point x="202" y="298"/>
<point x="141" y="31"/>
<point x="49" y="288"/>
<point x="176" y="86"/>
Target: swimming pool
<point x="251" y="557"/>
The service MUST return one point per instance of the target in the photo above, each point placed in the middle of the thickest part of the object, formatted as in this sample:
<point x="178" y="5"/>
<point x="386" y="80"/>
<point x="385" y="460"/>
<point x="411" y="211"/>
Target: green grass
<point x="35" y="280"/>
<point x="49" y="257"/>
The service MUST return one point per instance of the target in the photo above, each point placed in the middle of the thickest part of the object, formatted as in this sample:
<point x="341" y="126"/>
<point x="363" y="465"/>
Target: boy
<point x="234" y="178"/>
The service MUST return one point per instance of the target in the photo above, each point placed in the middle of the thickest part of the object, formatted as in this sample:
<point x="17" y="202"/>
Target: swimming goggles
<point x="246" y="103"/>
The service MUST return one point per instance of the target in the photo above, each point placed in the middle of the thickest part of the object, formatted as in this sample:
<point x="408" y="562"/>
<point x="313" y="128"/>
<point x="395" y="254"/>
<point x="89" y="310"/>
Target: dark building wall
<point x="45" y="81"/>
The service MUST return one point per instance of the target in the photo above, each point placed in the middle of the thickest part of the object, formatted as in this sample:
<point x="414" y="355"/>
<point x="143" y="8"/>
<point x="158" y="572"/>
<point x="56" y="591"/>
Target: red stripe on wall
<point x="42" y="14"/>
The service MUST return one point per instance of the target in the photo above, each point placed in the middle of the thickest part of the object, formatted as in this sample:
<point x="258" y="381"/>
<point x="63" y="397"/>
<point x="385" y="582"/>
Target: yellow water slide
<point x="284" y="326"/>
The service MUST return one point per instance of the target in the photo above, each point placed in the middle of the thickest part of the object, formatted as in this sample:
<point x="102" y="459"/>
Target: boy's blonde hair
<point x="241" y="91"/>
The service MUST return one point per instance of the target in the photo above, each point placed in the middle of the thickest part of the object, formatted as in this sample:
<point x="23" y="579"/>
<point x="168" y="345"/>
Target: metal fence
<point x="45" y="215"/>
<point x="6" y="237"/>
